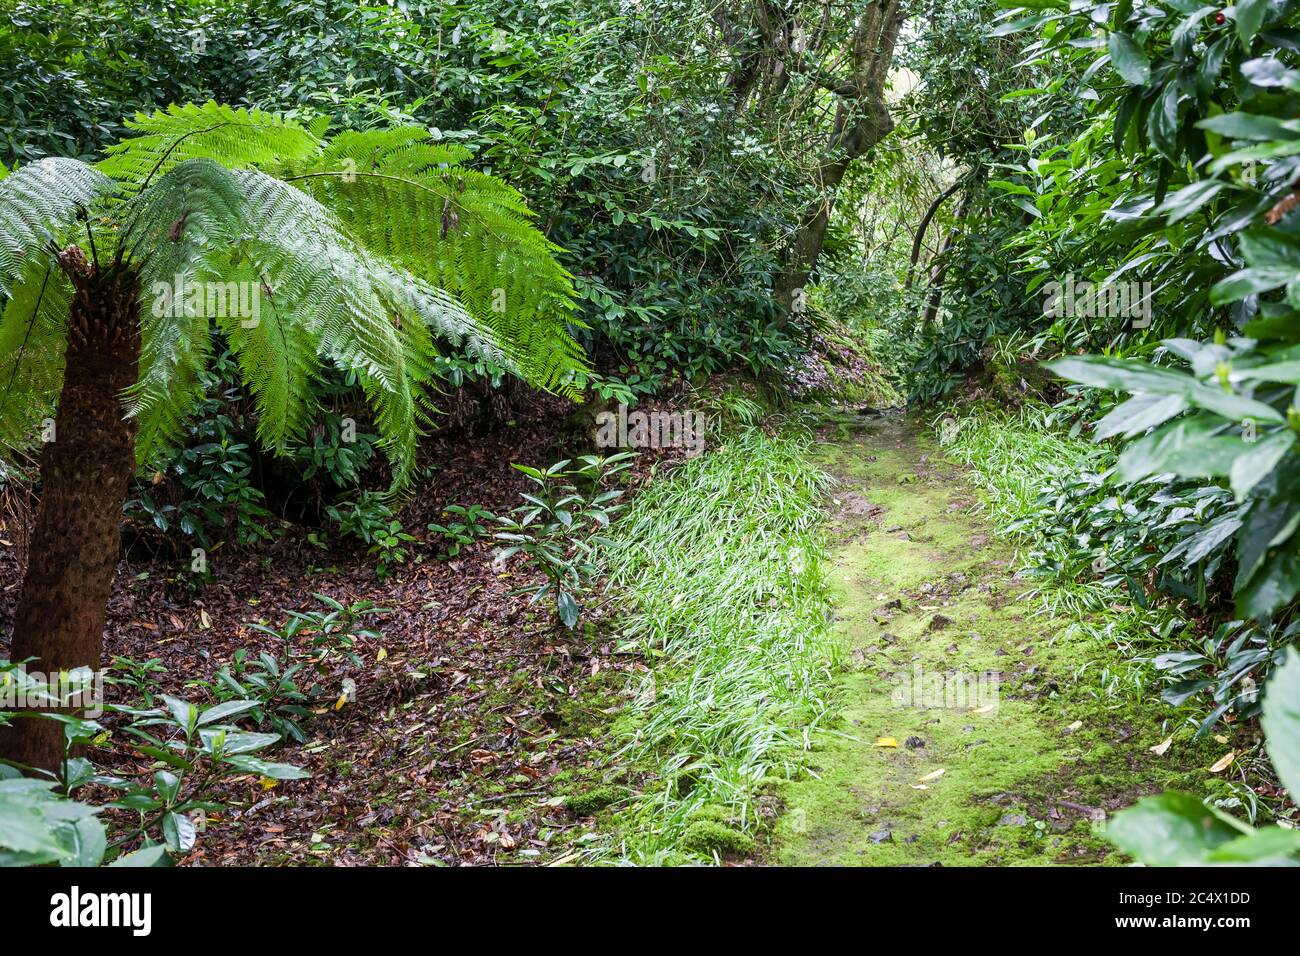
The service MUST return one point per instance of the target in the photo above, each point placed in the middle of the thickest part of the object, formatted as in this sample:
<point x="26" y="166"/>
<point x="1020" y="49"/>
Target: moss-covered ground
<point x="964" y="736"/>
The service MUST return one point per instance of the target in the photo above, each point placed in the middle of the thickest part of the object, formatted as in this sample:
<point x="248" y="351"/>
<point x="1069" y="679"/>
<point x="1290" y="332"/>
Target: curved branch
<point x="925" y="224"/>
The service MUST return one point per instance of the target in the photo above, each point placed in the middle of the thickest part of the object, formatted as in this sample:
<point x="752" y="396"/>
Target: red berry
<point x="1219" y="18"/>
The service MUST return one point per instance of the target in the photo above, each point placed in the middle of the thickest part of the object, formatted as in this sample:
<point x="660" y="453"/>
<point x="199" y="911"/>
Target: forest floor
<point x="483" y="733"/>
<point x="475" y="716"/>
<point x="967" y="735"/>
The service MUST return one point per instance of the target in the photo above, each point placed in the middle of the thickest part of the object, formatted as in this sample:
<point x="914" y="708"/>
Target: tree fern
<point x="176" y="231"/>
<point x="32" y="340"/>
<point x="364" y="252"/>
<point x="409" y="200"/>
<point x="361" y="267"/>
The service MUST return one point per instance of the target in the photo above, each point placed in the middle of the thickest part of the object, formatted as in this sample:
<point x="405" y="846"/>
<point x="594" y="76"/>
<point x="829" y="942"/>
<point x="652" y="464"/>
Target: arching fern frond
<point x="408" y="200"/>
<point x="191" y="211"/>
<point x="277" y="357"/>
<point x="235" y="138"/>
<point x="362" y="253"/>
<point x="33" y="328"/>
<point x="184" y="226"/>
<point x="39" y="203"/>
<point x="347" y="304"/>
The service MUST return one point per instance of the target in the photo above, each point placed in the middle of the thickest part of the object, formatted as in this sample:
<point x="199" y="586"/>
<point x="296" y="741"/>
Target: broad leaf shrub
<point x="1166" y="154"/>
<point x="193" y="748"/>
<point x="1178" y="829"/>
<point x="560" y="526"/>
<point x="1229" y="420"/>
<point x="1155" y="548"/>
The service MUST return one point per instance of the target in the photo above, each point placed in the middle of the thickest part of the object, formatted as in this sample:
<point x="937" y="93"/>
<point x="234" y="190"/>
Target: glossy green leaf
<point x="1258" y="460"/>
<point x="1270" y="844"/>
<point x="1250" y="17"/>
<point x="1128" y="59"/>
<point x="1172" y="829"/>
<point x="1281" y="720"/>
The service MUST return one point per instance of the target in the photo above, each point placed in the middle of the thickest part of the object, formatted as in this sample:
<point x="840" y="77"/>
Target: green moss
<point x="593" y="801"/>
<point x="709" y="836"/>
<point x="931" y="549"/>
<point x="712" y="812"/>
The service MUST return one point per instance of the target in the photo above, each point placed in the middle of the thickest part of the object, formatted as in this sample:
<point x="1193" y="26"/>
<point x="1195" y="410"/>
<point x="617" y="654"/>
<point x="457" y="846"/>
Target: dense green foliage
<point x="599" y="200"/>
<point x="335" y="244"/>
<point x="1179" y="177"/>
<point x="539" y="97"/>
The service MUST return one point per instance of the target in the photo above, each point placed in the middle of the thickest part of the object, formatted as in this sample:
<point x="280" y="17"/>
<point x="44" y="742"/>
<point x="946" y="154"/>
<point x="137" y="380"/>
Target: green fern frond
<point x="39" y="204"/>
<point x="237" y="139"/>
<point x="365" y="251"/>
<point x="348" y="306"/>
<point x="192" y="211"/>
<point x="278" y="360"/>
<point x="401" y="149"/>
<point x="407" y="200"/>
<point x="186" y="223"/>
<point x="173" y="353"/>
<point x="33" y="337"/>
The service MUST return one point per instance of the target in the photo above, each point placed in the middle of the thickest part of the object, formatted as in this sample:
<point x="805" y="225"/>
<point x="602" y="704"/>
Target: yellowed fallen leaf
<point x="1221" y="738"/>
<point x="1224" y="762"/>
<point x="1160" y="748"/>
<point x="886" y="742"/>
<point x="205" y="622"/>
<point x="919" y="786"/>
<point x="268" y="783"/>
<point x="1074" y="726"/>
<point x="932" y="775"/>
<point x="382" y="655"/>
<point x="986" y="709"/>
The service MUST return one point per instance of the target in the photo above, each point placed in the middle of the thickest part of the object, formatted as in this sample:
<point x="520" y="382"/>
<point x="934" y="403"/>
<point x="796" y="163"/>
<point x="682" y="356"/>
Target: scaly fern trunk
<point x="84" y="473"/>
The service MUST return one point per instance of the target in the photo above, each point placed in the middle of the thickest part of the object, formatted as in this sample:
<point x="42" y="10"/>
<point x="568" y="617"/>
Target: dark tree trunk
<point x="934" y="297"/>
<point x="925" y="224"/>
<point x="84" y="475"/>
<point x="862" y="121"/>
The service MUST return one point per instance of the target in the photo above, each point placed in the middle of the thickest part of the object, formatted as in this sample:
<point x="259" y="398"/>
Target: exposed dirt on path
<point x="964" y="738"/>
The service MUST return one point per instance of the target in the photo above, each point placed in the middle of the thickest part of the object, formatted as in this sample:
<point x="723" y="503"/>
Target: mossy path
<point x="963" y="738"/>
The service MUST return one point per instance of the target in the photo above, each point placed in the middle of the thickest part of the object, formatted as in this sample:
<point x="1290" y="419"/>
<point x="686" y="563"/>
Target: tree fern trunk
<point x="84" y="476"/>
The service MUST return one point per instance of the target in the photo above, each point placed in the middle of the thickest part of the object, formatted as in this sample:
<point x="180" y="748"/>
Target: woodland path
<point x="1016" y="771"/>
